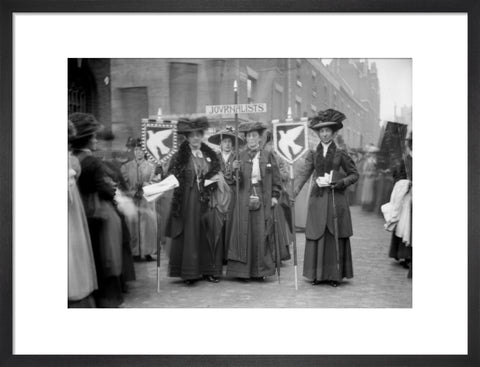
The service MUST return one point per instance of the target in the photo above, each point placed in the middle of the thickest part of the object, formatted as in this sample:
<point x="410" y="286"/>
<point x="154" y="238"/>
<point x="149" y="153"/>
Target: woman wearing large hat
<point x="322" y="262"/>
<point x="250" y="254"/>
<point x="138" y="173"/>
<point x="194" y="165"/>
<point x="226" y="139"/>
<point x="82" y="276"/>
<point x="98" y="190"/>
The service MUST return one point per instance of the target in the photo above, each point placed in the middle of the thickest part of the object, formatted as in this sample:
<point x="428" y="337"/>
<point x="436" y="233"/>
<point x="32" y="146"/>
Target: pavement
<point x="379" y="282"/>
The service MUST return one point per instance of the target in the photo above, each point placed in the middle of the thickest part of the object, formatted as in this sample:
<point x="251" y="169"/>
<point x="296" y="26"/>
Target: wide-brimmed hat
<point x="247" y="126"/>
<point x="85" y="124"/>
<point x="229" y="132"/>
<point x="329" y="118"/>
<point x="186" y="125"/>
<point x="133" y="143"/>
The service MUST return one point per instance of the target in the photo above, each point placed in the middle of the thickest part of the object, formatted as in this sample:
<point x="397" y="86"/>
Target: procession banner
<point x="159" y="139"/>
<point x="231" y="109"/>
<point x="290" y="139"/>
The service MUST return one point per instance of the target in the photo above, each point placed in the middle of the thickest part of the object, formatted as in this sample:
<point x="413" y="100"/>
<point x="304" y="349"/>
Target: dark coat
<point x="227" y="168"/>
<point x="320" y="210"/>
<point x="271" y="187"/>
<point x="181" y="166"/>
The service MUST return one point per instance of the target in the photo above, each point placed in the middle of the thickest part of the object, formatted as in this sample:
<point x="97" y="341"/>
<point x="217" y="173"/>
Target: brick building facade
<point x="120" y="92"/>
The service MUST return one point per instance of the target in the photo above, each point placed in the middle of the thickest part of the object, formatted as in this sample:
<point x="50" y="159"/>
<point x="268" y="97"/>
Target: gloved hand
<point x="340" y="184"/>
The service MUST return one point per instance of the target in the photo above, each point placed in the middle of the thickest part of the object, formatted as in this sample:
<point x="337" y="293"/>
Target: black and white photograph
<point x="230" y="183"/>
<point x="236" y="188"/>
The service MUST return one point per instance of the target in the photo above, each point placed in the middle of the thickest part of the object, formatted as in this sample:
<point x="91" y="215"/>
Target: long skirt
<point x="190" y="253"/>
<point x="163" y="211"/>
<point x="280" y="233"/>
<point x="368" y="193"/>
<point x="82" y="276"/>
<point x="146" y="232"/>
<point x="320" y="261"/>
<point x="398" y="249"/>
<point x="260" y="255"/>
<point x="227" y="228"/>
<point x="87" y="302"/>
<point x="106" y="234"/>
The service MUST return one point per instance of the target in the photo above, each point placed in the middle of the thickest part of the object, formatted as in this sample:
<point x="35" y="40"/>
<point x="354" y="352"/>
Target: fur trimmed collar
<point x="177" y="167"/>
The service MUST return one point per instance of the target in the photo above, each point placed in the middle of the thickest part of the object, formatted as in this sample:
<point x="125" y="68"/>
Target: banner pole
<point x="158" y="266"/>
<point x="237" y="181"/>
<point x="294" y="230"/>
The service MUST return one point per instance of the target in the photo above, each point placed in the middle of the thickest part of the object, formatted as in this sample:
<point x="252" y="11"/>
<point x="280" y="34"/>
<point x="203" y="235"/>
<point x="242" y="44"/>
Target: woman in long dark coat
<point x="191" y="255"/>
<point x="250" y="254"/>
<point x="226" y="140"/>
<point x="322" y="262"/>
<point x="105" y="227"/>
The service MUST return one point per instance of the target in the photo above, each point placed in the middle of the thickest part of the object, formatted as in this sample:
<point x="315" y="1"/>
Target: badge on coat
<point x="290" y="139"/>
<point x="159" y="139"/>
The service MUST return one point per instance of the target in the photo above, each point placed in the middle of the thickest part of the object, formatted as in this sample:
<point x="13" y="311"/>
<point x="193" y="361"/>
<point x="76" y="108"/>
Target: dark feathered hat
<point x="328" y="118"/>
<point x="85" y="124"/>
<point x="133" y="143"/>
<point x="186" y="125"/>
<point x="246" y="127"/>
<point x="229" y="132"/>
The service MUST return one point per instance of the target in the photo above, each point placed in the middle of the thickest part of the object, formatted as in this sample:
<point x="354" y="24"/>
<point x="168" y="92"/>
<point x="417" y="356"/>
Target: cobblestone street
<point x="378" y="280"/>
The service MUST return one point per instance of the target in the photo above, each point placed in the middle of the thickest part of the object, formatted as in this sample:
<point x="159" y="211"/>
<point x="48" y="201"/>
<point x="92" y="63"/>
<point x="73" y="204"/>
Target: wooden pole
<point x="278" y="261"/>
<point x="335" y="229"/>
<point x="139" y="201"/>
<point x="294" y="230"/>
<point x="158" y="266"/>
<point x="237" y="181"/>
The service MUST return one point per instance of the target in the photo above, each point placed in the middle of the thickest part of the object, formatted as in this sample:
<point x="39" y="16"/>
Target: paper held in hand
<point x="154" y="191"/>
<point x="208" y="182"/>
<point x="325" y="180"/>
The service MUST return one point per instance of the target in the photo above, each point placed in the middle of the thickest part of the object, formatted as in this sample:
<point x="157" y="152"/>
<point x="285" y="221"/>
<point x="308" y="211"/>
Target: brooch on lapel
<point x="269" y="165"/>
<point x="208" y="159"/>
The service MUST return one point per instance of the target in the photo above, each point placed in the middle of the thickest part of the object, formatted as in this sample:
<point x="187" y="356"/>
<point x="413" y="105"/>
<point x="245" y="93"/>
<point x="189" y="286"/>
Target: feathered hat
<point x="329" y="118"/>
<point x="133" y="143"/>
<point x="85" y="124"/>
<point x="186" y="125"/>
<point x="228" y="132"/>
<point x="247" y="126"/>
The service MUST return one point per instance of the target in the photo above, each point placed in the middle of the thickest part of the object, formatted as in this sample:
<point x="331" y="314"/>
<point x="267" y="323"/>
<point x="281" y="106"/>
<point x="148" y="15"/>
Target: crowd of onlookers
<point x="111" y="225"/>
<point x="374" y="190"/>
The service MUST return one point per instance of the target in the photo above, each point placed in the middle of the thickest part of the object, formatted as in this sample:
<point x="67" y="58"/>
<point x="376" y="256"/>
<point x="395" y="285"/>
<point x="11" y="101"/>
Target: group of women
<point x="110" y="223"/>
<point x="208" y="232"/>
<point x="209" y="226"/>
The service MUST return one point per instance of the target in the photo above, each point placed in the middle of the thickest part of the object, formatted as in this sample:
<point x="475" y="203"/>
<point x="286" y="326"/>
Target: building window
<point x="183" y="87"/>
<point x="298" y="108"/>
<point x="299" y="77"/>
<point x="251" y="89"/>
<point x="277" y="104"/>
<point x="77" y="101"/>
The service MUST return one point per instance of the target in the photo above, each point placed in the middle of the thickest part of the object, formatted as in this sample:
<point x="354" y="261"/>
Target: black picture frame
<point x="8" y="7"/>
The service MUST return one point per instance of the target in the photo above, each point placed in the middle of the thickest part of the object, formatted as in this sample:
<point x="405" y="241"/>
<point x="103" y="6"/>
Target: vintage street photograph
<point x="240" y="183"/>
